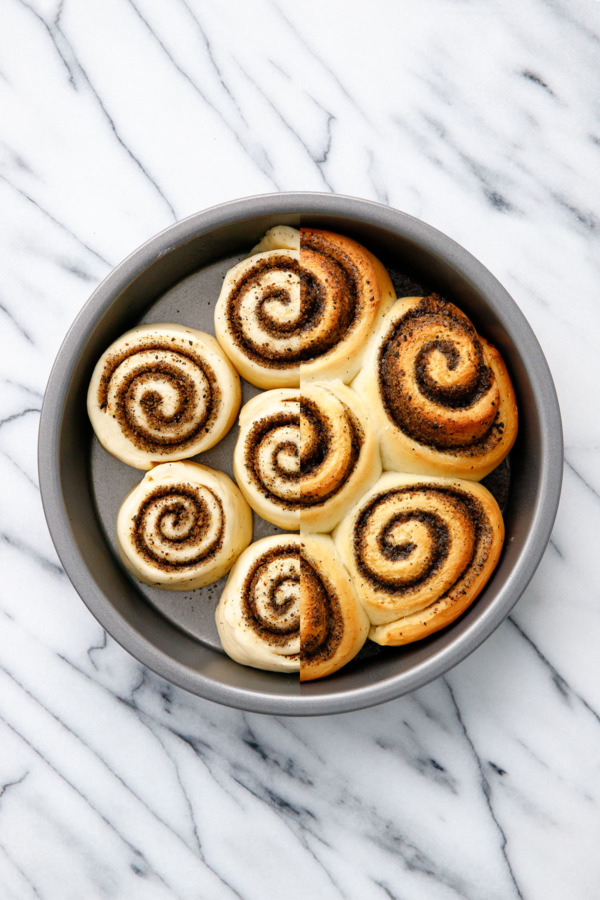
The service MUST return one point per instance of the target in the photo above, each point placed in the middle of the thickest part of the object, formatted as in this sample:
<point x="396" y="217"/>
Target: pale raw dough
<point x="258" y="615"/>
<point x="136" y="403"/>
<point x="158" y="519"/>
<point x="266" y="460"/>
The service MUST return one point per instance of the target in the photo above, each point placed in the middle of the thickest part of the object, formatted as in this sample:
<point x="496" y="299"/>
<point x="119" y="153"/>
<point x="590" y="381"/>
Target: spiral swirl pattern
<point x="289" y="606"/>
<point x="420" y="550"/>
<point x="345" y="289"/>
<point x="446" y="404"/>
<point x="271" y="598"/>
<point x="264" y="309"/>
<point x="258" y="616"/>
<point x="435" y="382"/>
<point x="162" y="392"/>
<point x="333" y="625"/>
<point x="267" y="456"/>
<point x="303" y="457"/>
<point x="183" y="526"/>
<point x="179" y="527"/>
<point x="287" y="312"/>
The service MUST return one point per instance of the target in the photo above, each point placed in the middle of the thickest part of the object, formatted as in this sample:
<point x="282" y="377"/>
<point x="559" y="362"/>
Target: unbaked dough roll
<point x="345" y="290"/>
<point x="302" y="307"/>
<point x="420" y="550"/>
<point x="162" y="392"/>
<point x="258" y="317"/>
<point x="183" y="526"/>
<point x="258" y="615"/>
<point x="303" y="457"/>
<point x="280" y="237"/>
<point x="266" y="459"/>
<point x="333" y="624"/>
<point x="440" y="394"/>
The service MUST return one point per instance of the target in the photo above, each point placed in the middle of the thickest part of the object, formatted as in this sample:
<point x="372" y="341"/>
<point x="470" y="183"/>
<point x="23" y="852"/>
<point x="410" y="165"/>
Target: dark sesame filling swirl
<point x="271" y="598"/>
<point x="414" y="544"/>
<point x="322" y="626"/>
<point x="289" y="308"/>
<point x="331" y="442"/>
<point x="272" y="454"/>
<point x="180" y="527"/>
<point x="304" y="452"/>
<point x="435" y="382"/>
<point x="162" y="392"/>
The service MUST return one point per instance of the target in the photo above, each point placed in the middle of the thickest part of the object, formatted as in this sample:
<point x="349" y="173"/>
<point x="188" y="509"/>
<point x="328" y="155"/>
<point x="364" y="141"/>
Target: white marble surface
<point x="118" y="117"/>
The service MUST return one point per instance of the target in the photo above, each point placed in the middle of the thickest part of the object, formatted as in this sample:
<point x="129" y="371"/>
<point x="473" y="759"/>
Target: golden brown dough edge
<point x="323" y="556"/>
<point x="343" y="361"/>
<point x="441" y="614"/>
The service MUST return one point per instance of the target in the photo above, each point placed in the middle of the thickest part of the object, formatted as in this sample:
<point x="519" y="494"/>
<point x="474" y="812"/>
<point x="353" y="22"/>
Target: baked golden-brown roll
<point x="258" y="615"/>
<point x="345" y="289"/>
<point x="333" y="624"/>
<point x="258" y="317"/>
<point x="162" y="392"/>
<point x="439" y="394"/>
<point x="301" y="307"/>
<point x="183" y="526"/>
<point x="303" y="457"/>
<point x="419" y="550"/>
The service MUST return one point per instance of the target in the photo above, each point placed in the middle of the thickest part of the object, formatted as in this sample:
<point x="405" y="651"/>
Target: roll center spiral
<point x="434" y="380"/>
<point x="162" y="395"/>
<point x="272" y="596"/>
<point x="180" y="526"/>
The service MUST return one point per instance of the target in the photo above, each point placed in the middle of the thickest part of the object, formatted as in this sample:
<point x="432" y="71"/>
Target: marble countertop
<point x="118" y="117"/>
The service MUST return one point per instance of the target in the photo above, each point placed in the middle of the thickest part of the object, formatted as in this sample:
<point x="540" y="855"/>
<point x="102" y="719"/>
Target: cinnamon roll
<point x="301" y="311"/>
<point x="420" y="550"/>
<point x="183" y="526"/>
<point x="258" y="615"/>
<point x="289" y="606"/>
<point x="440" y="394"/>
<point x="162" y="392"/>
<point x="304" y="457"/>
<point x="339" y="454"/>
<point x="333" y="624"/>
<point x="258" y="317"/>
<point x="266" y="459"/>
<point x="345" y="289"/>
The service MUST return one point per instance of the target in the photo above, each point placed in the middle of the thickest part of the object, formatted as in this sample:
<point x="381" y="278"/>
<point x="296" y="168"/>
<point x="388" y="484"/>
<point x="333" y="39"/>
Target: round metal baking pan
<point x="176" y="276"/>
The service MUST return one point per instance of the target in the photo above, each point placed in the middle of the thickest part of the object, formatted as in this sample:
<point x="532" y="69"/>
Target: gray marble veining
<point x="118" y="117"/>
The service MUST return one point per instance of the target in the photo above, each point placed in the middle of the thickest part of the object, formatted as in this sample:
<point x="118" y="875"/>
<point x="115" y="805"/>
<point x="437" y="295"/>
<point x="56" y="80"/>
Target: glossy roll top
<point x="345" y="289"/>
<point x="419" y="550"/>
<point x="183" y="526"/>
<point x="304" y="456"/>
<point x="439" y="393"/>
<point x="162" y="392"/>
<point x="339" y="454"/>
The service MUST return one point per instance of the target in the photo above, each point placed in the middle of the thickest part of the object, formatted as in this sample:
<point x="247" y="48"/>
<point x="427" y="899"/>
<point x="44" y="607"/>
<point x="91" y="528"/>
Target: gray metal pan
<point x="176" y="276"/>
